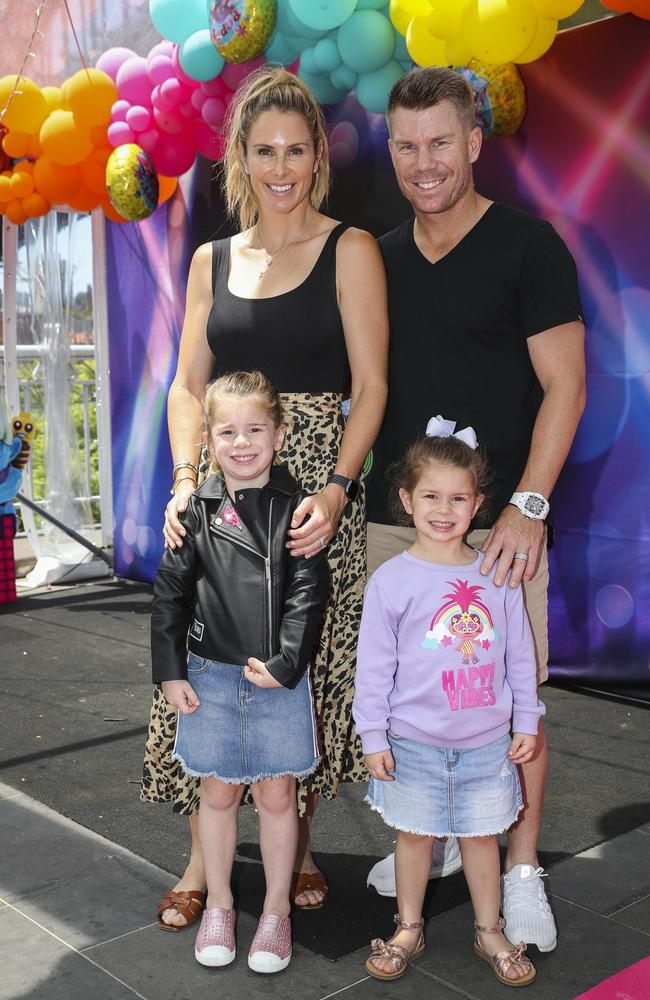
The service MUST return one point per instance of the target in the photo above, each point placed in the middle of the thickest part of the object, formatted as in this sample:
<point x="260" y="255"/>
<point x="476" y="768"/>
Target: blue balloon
<point x="326" y="55"/>
<point x="322" y="87"/>
<point x="344" y="78"/>
<point x="401" y="52"/>
<point x="366" y="41"/>
<point x="372" y="89"/>
<point x="371" y="4"/>
<point x="281" y="50"/>
<point x="322" y="15"/>
<point x="199" y="58"/>
<point x="176" y="20"/>
<point x="287" y="22"/>
<point x="308" y="62"/>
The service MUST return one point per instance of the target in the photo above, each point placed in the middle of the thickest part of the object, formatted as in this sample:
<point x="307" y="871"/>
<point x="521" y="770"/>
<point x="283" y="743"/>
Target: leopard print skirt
<point x="315" y="426"/>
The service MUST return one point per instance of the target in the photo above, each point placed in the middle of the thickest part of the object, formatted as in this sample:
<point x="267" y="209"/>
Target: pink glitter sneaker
<point x="215" y="942"/>
<point x="271" y="947"/>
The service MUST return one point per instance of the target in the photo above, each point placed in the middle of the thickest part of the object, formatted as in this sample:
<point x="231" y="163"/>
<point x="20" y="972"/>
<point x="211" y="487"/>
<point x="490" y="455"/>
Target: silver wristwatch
<point x="532" y="505"/>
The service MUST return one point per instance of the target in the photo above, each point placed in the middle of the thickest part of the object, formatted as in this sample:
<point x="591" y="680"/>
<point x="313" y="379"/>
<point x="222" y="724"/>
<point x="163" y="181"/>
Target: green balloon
<point x="372" y="89"/>
<point x="326" y="55"/>
<point x="322" y="87"/>
<point x="366" y="41"/>
<point x="322" y="15"/>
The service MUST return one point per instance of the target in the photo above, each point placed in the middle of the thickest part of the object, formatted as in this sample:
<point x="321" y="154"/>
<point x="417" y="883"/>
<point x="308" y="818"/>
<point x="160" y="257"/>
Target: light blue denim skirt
<point x="241" y="733"/>
<point x="440" y="793"/>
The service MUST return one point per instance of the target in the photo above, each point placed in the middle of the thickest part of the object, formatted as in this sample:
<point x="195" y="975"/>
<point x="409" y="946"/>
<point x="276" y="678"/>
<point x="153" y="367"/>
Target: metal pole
<point x="102" y="374"/>
<point x="104" y="556"/>
<point x="10" y="254"/>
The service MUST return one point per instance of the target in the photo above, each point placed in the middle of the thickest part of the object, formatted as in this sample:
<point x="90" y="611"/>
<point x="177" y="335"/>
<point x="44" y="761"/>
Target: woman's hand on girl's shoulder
<point x="522" y="749"/>
<point x="181" y="695"/>
<point x="380" y="765"/>
<point x="315" y="521"/>
<point x="173" y="530"/>
<point x="256" y="673"/>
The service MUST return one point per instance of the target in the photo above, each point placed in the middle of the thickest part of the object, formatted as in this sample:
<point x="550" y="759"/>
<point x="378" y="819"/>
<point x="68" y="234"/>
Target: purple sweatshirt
<point x="445" y="657"/>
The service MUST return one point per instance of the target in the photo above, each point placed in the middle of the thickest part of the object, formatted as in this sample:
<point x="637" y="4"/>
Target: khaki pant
<point x="387" y="540"/>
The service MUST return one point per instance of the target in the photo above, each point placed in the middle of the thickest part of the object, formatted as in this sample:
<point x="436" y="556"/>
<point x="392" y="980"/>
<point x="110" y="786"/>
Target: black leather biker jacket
<point x="233" y="590"/>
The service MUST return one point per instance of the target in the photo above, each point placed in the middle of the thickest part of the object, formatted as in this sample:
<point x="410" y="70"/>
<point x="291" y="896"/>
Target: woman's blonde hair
<point x="262" y="91"/>
<point x="241" y="386"/>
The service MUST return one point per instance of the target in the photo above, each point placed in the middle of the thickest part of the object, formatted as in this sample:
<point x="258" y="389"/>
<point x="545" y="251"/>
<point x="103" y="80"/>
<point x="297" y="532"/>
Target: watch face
<point x="535" y="506"/>
<point x="353" y="489"/>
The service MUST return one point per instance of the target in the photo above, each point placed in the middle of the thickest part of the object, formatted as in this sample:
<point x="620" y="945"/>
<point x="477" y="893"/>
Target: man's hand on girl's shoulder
<point x="181" y="695"/>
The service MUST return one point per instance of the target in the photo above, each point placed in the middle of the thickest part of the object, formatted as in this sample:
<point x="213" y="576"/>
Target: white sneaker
<point x="526" y="909"/>
<point x="445" y="860"/>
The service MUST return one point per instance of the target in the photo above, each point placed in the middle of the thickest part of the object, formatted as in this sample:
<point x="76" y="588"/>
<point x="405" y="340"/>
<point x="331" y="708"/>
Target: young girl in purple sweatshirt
<point x="446" y="701"/>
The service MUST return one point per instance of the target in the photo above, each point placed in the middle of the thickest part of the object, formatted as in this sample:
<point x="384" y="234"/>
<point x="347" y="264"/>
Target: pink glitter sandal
<point x="271" y="947"/>
<point x="215" y="942"/>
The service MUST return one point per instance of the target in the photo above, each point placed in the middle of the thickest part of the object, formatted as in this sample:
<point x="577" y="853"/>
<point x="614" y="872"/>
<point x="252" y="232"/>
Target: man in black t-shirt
<point x="486" y="330"/>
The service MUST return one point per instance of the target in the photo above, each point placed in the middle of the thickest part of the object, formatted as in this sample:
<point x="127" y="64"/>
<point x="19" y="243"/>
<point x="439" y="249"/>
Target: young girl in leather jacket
<point x="234" y="623"/>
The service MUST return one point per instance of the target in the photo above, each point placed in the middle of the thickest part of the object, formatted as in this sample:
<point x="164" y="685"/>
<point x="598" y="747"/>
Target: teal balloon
<point x="322" y="87"/>
<point x="287" y="22"/>
<point x="366" y="41"/>
<point x="344" y="78"/>
<point x="199" y="58"/>
<point x="322" y="15"/>
<point x="326" y="55"/>
<point x="281" y="50"/>
<point x="308" y="62"/>
<point x="371" y="4"/>
<point x="372" y="89"/>
<point x="401" y="52"/>
<point x="176" y="20"/>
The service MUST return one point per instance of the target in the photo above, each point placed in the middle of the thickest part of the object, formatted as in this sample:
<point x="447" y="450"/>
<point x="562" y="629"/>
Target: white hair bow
<point x="438" y="427"/>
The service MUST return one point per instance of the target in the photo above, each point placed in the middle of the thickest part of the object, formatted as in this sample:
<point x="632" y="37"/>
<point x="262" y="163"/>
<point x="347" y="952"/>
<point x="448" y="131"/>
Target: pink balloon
<point x="208" y="143"/>
<point x="138" y="118"/>
<point x="168" y="121"/>
<point x="173" y="155"/>
<point x="159" y="101"/>
<point x="163" y="48"/>
<point x="119" y="133"/>
<point x="213" y="111"/>
<point x="160" y="68"/>
<point x="174" y="92"/>
<point x="111" y="60"/>
<point x="148" y="140"/>
<point x="119" y="111"/>
<point x="214" y="88"/>
<point x="179" y="71"/>
<point x="188" y="110"/>
<point x="198" y="99"/>
<point x="232" y="74"/>
<point x="132" y="81"/>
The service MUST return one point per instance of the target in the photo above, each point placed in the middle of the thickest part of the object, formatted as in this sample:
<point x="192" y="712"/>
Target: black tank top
<point x="296" y="338"/>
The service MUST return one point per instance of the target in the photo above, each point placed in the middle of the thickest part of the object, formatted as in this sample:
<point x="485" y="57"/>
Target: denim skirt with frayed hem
<point x="439" y="792"/>
<point x="241" y="733"/>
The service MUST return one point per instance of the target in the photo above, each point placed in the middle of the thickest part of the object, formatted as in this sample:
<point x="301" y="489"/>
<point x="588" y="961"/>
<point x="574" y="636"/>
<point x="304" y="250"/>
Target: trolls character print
<point x="465" y="617"/>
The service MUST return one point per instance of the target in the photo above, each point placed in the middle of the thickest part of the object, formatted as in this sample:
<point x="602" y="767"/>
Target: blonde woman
<point x="302" y="298"/>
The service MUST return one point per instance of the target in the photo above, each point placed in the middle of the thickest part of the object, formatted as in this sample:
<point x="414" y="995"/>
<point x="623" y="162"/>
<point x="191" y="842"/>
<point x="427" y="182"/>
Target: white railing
<point x="82" y="389"/>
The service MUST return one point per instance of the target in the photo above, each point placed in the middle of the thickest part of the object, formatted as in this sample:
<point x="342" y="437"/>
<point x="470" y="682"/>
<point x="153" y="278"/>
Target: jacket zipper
<point x="267" y="571"/>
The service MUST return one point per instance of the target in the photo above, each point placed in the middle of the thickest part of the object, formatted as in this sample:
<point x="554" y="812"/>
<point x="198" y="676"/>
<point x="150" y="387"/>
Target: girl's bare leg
<point x="218" y="835"/>
<point x="304" y="861"/>
<point x="275" y="799"/>
<point x="412" y="867"/>
<point x="193" y="877"/>
<point x="481" y="865"/>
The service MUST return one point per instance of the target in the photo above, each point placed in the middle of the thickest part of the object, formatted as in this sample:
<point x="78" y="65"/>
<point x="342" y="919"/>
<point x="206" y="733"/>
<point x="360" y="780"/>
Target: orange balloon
<point x="99" y="136"/>
<point x="93" y="173"/>
<point x="55" y="182"/>
<point x="35" y="204"/>
<point x="15" y="144"/>
<point x="15" y="212"/>
<point x="21" y="185"/>
<point x="112" y="213"/>
<point x="102" y="154"/>
<point x="34" y="147"/>
<point x="6" y="194"/>
<point x="167" y="186"/>
<point x="25" y="167"/>
<point x="90" y="95"/>
<point x="63" y="139"/>
<point x="27" y="109"/>
<point x="84" y="200"/>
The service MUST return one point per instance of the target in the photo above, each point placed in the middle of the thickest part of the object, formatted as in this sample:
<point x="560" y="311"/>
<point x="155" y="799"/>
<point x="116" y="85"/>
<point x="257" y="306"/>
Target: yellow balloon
<point x="52" y="97"/>
<point x="63" y="139"/>
<point x="27" y="108"/>
<point x="423" y="48"/>
<point x="541" y="43"/>
<point x="500" y="30"/>
<point x="90" y="95"/>
<point x="458" y="52"/>
<point x="402" y="12"/>
<point x="556" y="8"/>
<point x="132" y="182"/>
<point x="446" y="19"/>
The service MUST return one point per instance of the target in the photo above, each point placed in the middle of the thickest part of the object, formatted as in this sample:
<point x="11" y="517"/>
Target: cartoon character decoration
<point x="23" y="428"/>
<point x="465" y="617"/>
<point x="11" y="466"/>
<point x="132" y="182"/>
<point x="240" y="29"/>
<point x="499" y="96"/>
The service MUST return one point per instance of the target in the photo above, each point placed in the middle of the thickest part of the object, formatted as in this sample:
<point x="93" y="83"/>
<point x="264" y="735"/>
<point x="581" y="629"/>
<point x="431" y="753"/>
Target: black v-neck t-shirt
<point x="459" y="329"/>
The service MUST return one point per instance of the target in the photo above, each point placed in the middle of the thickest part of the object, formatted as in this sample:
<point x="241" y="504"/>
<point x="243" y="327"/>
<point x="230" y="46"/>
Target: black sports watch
<point x="351" y="486"/>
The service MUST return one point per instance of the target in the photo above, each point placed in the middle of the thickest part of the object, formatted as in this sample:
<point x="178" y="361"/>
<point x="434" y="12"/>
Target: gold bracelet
<point x="182" y="479"/>
<point x="185" y="465"/>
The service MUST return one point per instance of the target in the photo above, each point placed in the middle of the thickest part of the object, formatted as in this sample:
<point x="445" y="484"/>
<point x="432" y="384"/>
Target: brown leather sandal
<point x="303" y="881"/>
<point x="502" y="961"/>
<point x="396" y="953"/>
<point x="189" y="905"/>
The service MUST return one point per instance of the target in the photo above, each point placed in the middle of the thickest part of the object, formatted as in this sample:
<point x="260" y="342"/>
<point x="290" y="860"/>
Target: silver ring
<point x="521" y="555"/>
<point x="321" y="542"/>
